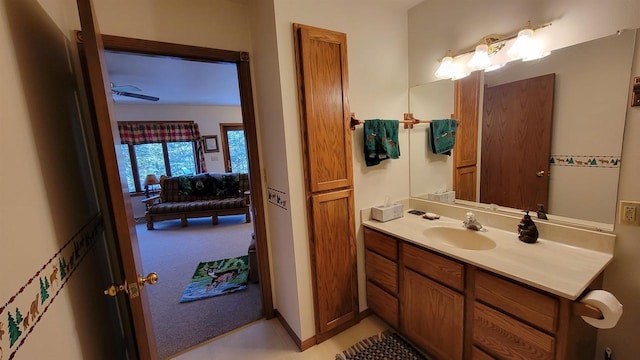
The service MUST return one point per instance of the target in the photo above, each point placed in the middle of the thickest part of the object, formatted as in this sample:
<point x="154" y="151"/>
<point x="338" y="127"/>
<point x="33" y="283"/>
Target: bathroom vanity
<point x="460" y="294"/>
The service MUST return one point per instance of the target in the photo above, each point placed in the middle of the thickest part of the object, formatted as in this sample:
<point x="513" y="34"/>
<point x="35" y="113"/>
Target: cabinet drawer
<point x="381" y="271"/>
<point x="477" y="354"/>
<point x="384" y="245"/>
<point x="439" y="268"/>
<point x="529" y="305"/>
<point x="507" y="338"/>
<point x="382" y="304"/>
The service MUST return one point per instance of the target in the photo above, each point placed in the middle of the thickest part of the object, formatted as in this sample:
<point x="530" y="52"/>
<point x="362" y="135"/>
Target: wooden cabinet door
<point x="466" y="180"/>
<point x="465" y="152"/>
<point x="334" y="263"/>
<point x="432" y="316"/>
<point x="321" y="61"/>
<point x="323" y="85"/>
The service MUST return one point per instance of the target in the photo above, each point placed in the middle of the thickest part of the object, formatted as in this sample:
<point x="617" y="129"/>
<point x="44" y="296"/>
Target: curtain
<point x="136" y="133"/>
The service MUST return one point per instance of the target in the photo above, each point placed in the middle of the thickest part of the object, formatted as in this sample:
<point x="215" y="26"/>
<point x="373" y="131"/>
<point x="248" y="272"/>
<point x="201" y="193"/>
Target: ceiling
<point x="173" y="80"/>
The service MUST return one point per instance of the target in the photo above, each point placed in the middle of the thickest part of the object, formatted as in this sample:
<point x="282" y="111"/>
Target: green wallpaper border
<point x="29" y="304"/>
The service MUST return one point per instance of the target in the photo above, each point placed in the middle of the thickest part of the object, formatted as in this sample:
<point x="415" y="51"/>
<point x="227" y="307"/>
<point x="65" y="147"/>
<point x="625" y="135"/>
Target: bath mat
<point x="385" y="346"/>
<point x="219" y="277"/>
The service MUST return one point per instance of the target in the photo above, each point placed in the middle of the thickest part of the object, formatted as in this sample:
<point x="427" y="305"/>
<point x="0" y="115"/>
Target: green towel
<point x="380" y="140"/>
<point x="442" y="136"/>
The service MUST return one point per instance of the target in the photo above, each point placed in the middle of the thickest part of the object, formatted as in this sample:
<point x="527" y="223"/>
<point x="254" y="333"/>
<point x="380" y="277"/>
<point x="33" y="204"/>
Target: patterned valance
<point x="136" y="133"/>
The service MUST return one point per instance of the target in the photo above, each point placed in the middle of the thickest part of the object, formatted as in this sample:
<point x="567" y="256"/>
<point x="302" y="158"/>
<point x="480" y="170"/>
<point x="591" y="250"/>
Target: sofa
<point x="202" y="195"/>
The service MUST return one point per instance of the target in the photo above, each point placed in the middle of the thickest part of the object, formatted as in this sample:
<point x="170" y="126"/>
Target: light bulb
<point x="445" y="71"/>
<point x="522" y="44"/>
<point x="480" y="59"/>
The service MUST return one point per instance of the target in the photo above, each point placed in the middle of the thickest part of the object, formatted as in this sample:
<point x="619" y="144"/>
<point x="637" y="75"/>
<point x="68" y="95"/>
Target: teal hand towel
<point x="442" y="136"/>
<point x="380" y="140"/>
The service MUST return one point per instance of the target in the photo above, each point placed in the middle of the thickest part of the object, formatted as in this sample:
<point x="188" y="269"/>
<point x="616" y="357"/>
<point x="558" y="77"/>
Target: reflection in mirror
<point x="589" y="110"/>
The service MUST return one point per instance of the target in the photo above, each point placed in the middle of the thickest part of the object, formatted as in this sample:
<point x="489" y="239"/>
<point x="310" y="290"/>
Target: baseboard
<point x="302" y="345"/>
<point x="306" y="344"/>
<point x="364" y="313"/>
<point x="338" y="329"/>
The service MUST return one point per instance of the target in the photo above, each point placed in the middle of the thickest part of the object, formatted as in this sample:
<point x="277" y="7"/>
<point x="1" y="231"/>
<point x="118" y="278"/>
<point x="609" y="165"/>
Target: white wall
<point x="438" y="25"/>
<point x="221" y="24"/>
<point x="429" y="173"/>
<point x="622" y="277"/>
<point x="269" y="115"/>
<point x="377" y="56"/>
<point x="46" y="190"/>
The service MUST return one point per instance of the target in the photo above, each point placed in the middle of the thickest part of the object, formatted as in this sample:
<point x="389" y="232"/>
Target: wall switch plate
<point x="629" y="213"/>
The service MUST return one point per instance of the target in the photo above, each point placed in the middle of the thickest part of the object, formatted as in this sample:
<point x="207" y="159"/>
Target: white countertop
<point x="551" y="266"/>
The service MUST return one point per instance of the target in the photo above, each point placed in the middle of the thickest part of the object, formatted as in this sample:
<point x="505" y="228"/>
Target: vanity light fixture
<point x="525" y="47"/>
<point x="480" y="59"/>
<point x="451" y="69"/>
<point x="445" y="70"/>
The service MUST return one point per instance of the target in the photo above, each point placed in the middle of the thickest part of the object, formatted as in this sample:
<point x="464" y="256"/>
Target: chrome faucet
<point x="471" y="222"/>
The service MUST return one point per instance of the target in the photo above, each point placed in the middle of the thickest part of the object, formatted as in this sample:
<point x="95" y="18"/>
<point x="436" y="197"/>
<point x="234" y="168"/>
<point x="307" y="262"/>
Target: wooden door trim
<point x="241" y="59"/>
<point x="248" y="115"/>
<point x="123" y="227"/>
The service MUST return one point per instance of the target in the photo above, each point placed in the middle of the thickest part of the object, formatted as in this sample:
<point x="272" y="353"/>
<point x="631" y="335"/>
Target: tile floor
<point x="268" y="340"/>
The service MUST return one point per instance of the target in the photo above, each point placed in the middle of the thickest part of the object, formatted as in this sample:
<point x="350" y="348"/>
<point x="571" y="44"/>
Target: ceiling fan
<point x="131" y="91"/>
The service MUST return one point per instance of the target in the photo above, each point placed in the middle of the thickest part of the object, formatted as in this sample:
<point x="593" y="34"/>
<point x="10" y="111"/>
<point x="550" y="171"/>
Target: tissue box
<point x="446" y="197"/>
<point x="386" y="213"/>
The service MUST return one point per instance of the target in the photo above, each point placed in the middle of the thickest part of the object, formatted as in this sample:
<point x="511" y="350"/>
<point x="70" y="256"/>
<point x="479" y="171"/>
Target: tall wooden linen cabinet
<point x="466" y="95"/>
<point x="323" y="84"/>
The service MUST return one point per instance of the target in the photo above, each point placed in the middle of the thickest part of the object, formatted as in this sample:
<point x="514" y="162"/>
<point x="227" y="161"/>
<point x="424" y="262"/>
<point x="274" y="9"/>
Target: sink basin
<point x="460" y="237"/>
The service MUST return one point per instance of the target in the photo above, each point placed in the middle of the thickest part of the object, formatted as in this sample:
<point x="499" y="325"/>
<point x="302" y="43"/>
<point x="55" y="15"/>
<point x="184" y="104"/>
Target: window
<point x="234" y="147"/>
<point x="152" y="159"/>
<point x="159" y="148"/>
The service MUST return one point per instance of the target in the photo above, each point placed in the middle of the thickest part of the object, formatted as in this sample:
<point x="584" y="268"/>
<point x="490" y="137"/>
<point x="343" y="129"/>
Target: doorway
<point x="516" y="143"/>
<point x="241" y="60"/>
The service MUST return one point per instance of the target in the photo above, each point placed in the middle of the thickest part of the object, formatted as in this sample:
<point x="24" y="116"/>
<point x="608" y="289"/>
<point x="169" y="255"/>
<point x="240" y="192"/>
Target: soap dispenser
<point x="527" y="230"/>
<point x="542" y="213"/>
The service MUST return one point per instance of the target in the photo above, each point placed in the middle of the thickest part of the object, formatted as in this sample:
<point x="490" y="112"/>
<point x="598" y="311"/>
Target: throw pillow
<point x="228" y="185"/>
<point x="203" y="185"/>
<point x="184" y="185"/>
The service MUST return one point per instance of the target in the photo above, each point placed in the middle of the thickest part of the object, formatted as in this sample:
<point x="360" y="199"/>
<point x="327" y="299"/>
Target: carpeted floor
<point x="173" y="252"/>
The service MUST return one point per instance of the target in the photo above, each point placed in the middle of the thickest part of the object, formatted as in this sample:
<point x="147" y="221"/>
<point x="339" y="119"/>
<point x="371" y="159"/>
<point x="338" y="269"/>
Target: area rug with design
<point x="385" y="346"/>
<point x="217" y="277"/>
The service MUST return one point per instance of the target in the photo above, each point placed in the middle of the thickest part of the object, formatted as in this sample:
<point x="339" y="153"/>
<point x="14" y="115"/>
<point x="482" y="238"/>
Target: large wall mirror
<point x="591" y="96"/>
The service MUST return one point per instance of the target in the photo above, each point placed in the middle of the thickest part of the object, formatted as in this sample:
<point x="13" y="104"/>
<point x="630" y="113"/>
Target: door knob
<point x="132" y="289"/>
<point x="114" y="289"/>
<point x="151" y="279"/>
<point x="540" y="173"/>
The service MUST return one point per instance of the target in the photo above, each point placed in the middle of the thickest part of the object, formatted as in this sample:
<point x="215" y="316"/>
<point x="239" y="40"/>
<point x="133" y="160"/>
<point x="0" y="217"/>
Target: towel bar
<point x="408" y="121"/>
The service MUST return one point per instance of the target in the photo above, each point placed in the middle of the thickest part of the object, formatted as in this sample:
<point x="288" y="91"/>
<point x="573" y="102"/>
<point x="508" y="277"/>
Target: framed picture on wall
<point x="210" y="143"/>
